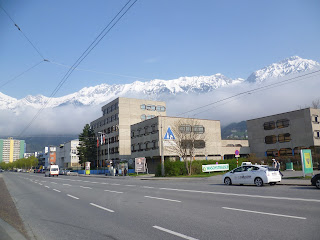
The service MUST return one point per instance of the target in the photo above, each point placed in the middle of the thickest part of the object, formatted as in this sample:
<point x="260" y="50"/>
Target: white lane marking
<point x="47" y="186"/>
<point x="242" y="195"/>
<point x="104" y="183"/>
<point x="147" y="187"/>
<point x="40" y="184"/>
<point x="95" y="205"/>
<point x="130" y="185"/>
<point x="174" y="233"/>
<point x="114" y="184"/>
<point x="112" y="191"/>
<point x="66" y="184"/>
<point x="72" y="196"/>
<point x="93" y="182"/>
<point x="166" y="199"/>
<point x="56" y="190"/>
<point x="265" y="213"/>
<point x="86" y="187"/>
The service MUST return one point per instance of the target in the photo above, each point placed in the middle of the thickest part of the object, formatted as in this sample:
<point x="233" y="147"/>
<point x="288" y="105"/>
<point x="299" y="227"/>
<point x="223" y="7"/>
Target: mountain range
<point x="159" y="89"/>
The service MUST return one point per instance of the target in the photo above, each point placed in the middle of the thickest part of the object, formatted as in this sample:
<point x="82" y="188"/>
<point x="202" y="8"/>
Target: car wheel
<point x="258" y="182"/>
<point x="227" y="181"/>
<point x="318" y="183"/>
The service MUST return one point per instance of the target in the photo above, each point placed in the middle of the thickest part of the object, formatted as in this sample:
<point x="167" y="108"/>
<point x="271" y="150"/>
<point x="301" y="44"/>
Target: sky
<point x="164" y="39"/>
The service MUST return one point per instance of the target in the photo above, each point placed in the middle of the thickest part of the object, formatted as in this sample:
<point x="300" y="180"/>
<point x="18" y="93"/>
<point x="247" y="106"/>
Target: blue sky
<point x="156" y="39"/>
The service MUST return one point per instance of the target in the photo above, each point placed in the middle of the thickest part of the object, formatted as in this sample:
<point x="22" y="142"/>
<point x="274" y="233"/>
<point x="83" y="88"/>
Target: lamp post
<point x="161" y="150"/>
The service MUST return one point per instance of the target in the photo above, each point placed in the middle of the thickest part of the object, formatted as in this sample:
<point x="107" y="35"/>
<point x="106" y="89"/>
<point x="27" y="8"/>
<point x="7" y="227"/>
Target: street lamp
<point x="161" y="149"/>
<point x="108" y="146"/>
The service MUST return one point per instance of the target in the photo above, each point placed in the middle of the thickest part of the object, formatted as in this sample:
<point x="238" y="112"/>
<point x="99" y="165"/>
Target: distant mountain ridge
<point x="158" y="89"/>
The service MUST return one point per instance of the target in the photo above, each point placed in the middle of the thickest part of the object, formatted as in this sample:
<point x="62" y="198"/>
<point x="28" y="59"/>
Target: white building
<point x="67" y="155"/>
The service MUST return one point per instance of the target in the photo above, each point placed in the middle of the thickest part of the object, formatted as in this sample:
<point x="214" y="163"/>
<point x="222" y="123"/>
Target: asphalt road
<point x="70" y="207"/>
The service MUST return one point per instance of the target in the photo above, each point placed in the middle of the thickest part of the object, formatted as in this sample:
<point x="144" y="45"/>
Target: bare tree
<point x="189" y="136"/>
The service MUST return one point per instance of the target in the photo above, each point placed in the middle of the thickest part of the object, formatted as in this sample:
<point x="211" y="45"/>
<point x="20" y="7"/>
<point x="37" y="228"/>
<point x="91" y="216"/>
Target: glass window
<point x="158" y="108"/>
<point x="148" y="107"/>
<point x="142" y="106"/>
<point x="286" y="137"/>
<point x="317" y="134"/>
<point x="272" y="152"/>
<point x="185" y="128"/>
<point x="198" y="129"/>
<point x="143" y="117"/>
<point x="270" y="139"/>
<point x="239" y="169"/>
<point x="269" y="125"/>
<point x="282" y="123"/>
<point x="285" y="152"/>
<point x="199" y="144"/>
<point x="162" y="109"/>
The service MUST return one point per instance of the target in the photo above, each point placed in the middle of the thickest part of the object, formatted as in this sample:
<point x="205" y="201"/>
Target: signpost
<point x="237" y="154"/>
<point x="306" y="161"/>
<point x="215" y="167"/>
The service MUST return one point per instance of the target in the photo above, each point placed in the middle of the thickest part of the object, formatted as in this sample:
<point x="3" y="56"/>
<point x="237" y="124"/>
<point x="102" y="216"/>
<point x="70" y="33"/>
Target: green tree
<point x="87" y="149"/>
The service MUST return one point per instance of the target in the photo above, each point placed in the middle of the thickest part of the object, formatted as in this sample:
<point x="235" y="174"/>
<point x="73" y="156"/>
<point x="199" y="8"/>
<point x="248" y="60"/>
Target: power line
<point x="16" y="25"/>
<point x="273" y="85"/>
<point x="98" y="39"/>
<point x="19" y="75"/>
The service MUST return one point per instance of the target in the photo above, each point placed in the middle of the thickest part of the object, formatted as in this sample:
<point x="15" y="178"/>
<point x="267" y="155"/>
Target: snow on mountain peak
<point x="288" y="66"/>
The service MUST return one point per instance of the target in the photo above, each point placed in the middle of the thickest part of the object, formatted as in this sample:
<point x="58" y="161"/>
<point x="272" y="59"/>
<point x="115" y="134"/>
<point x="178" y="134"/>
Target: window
<point x="199" y="144"/>
<point x="285" y="152"/>
<point x="283" y="123"/>
<point x="317" y="134"/>
<point x="286" y="137"/>
<point x="185" y="128"/>
<point x="143" y="117"/>
<point x="297" y="150"/>
<point x="198" y="129"/>
<point x="143" y="106"/>
<point x="132" y="134"/>
<point x="150" y="116"/>
<point x="270" y="139"/>
<point x="160" y="108"/>
<point x="315" y="119"/>
<point x="269" y="125"/>
<point x="272" y="152"/>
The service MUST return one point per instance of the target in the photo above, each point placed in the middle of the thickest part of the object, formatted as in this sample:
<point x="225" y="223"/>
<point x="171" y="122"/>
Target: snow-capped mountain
<point x="154" y="89"/>
<point x="286" y="67"/>
<point x="159" y="89"/>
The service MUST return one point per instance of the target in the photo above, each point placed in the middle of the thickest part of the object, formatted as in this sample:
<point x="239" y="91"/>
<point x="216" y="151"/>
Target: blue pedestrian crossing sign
<point x="169" y="135"/>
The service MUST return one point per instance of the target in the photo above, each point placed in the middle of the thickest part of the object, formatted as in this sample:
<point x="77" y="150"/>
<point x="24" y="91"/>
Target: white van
<point x="52" y="170"/>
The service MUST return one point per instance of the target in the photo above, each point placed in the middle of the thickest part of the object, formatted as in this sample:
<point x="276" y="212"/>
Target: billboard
<point x="306" y="161"/>
<point x="140" y="164"/>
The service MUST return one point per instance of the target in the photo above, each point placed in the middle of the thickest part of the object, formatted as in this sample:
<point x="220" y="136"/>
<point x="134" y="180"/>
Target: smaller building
<point x="11" y="150"/>
<point x="285" y="134"/>
<point x="47" y="157"/>
<point x="67" y="155"/>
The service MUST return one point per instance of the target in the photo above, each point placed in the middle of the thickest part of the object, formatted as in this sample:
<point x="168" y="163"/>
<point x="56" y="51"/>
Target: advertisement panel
<point x="306" y="161"/>
<point x="140" y="164"/>
<point x="87" y="168"/>
<point x="215" y="167"/>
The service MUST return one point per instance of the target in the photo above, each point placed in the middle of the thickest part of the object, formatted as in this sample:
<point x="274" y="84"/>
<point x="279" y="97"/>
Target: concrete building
<point x="146" y="140"/>
<point x="67" y="155"/>
<point x="285" y="134"/>
<point x="11" y="149"/>
<point x="114" y="125"/>
<point x="47" y="157"/>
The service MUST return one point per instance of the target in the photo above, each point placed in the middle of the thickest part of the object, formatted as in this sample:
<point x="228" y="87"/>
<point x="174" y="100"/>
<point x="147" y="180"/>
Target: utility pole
<point x="161" y="149"/>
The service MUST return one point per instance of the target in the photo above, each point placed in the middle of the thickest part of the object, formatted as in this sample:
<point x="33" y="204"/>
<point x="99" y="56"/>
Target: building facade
<point x="113" y="127"/>
<point x="47" y="157"/>
<point x="11" y="150"/>
<point x="159" y="136"/>
<point x="285" y="134"/>
<point x="67" y="155"/>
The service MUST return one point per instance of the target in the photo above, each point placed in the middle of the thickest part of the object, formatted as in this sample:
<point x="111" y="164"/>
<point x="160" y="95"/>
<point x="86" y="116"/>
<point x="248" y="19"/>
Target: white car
<point x="252" y="174"/>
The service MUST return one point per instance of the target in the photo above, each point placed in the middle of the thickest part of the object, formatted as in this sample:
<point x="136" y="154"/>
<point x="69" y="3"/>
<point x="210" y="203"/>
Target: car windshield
<point x="54" y="169"/>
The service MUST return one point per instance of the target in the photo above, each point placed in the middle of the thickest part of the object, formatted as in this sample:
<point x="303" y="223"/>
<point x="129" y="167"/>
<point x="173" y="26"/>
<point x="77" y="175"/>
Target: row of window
<point x="186" y="144"/>
<point x="145" y="117"/>
<point x="146" y="146"/>
<point x="110" y="109"/>
<point x="150" y="107"/>
<point x="106" y="121"/>
<point x="111" y="151"/>
<point x="284" y="152"/>
<point x="286" y="137"/>
<point x="144" y="131"/>
<point x="234" y="145"/>
<point x="282" y="123"/>
<point x="188" y="129"/>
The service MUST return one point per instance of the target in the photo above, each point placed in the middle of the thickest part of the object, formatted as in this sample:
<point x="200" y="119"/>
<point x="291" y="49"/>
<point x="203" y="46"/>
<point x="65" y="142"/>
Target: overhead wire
<point x="97" y="40"/>
<point x="16" y="25"/>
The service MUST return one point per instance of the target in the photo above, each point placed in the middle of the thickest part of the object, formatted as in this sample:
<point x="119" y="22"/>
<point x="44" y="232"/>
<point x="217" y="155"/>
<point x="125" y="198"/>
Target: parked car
<point x="315" y="180"/>
<point x="62" y="171"/>
<point x="252" y="174"/>
<point x="72" y="173"/>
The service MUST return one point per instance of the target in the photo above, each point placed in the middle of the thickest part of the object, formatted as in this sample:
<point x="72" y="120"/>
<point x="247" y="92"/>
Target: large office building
<point x="285" y="134"/>
<point x="137" y="128"/>
<point x="164" y="136"/>
<point x="66" y="155"/>
<point x="11" y="150"/>
<point x="114" y="125"/>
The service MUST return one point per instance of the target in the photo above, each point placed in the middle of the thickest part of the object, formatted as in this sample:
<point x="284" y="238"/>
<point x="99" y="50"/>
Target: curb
<point x="7" y="232"/>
